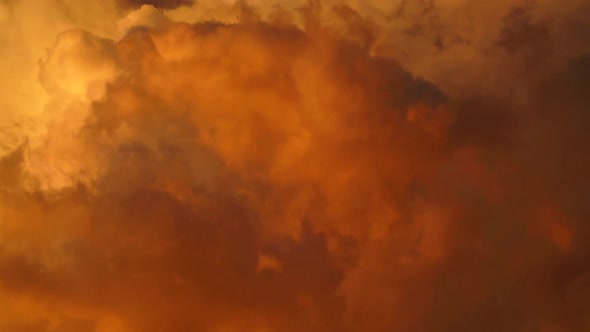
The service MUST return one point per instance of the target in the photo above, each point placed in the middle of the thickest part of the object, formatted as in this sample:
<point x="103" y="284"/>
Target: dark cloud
<point x="164" y="4"/>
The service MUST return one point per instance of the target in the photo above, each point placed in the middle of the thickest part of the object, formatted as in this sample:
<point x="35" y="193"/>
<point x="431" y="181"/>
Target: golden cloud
<point x="314" y="166"/>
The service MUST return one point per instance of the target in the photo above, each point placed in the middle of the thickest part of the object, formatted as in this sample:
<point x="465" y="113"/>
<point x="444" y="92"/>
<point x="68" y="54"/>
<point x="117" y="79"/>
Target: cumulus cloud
<point x="318" y="166"/>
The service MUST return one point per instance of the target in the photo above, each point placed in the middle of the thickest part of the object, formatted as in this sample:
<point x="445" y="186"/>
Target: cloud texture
<point x="314" y="166"/>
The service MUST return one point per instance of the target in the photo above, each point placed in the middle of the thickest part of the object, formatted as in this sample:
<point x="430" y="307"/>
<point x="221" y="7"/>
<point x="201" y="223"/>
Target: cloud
<point x="292" y="171"/>
<point x="164" y="4"/>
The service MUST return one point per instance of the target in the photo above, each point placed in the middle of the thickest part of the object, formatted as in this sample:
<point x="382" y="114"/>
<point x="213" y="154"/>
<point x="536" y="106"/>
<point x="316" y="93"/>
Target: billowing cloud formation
<point x="295" y="171"/>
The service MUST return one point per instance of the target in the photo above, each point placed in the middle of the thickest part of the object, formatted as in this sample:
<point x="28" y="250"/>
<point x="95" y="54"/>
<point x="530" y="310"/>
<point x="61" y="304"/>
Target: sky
<point x="297" y="165"/>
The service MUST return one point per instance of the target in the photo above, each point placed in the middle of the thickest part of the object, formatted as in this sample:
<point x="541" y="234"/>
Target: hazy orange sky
<point x="294" y="166"/>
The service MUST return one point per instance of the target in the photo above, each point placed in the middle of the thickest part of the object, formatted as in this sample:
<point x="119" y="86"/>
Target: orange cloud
<point x="291" y="170"/>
